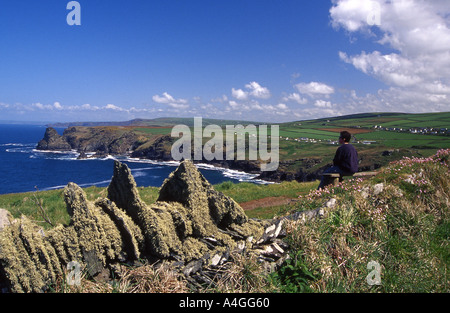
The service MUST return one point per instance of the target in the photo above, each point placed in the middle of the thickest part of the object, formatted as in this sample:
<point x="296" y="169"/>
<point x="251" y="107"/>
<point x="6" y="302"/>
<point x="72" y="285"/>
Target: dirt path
<point x="265" y="202"/>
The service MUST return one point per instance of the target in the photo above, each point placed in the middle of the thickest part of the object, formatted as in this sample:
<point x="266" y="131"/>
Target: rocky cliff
<point x="99" y="140"/>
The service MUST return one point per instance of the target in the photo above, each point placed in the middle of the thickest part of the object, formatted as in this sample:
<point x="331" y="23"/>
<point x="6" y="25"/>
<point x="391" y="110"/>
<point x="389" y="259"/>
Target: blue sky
<point x="258" y="60"/>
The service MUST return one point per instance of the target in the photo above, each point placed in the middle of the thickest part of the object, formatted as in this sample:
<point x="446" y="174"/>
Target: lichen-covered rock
<point x="133" y="239"/>
<point x="66" y="244"/>
<point x="98" y="235"/>
<point x="209" y="209"/>
<point x="27" y="261"/>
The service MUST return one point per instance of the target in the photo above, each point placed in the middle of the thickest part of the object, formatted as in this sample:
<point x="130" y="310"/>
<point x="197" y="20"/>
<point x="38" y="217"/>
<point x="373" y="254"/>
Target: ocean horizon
<point x="25" y="169"/>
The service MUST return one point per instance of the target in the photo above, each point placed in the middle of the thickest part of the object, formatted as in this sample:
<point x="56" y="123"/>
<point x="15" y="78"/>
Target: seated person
<point x="345" y="161"/>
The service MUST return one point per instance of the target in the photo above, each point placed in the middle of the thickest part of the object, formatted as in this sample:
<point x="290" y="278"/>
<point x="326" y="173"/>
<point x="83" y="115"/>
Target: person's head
<point x="345" y="137"/>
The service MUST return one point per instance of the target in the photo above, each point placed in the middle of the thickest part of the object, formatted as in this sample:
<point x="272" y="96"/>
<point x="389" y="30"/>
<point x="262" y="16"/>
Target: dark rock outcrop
<point x="100" y="140"/>
<point x="53" y="141"/>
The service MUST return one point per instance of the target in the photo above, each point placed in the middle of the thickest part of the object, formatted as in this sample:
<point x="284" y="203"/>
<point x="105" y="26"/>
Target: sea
<point x="25" y="169"/>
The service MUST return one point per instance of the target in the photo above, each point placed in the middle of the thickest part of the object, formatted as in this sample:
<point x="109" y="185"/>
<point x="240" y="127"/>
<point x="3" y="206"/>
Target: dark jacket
<point x="346" y="158"/>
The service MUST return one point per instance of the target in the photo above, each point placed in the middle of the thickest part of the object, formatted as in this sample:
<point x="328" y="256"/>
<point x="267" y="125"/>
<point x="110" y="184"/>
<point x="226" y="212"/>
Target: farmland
<point x="383" y="130"/>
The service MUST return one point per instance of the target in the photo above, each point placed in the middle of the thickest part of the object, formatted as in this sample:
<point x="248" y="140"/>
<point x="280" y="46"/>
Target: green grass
<point x="244" y="192"/>
<point x="308" y="133"/>
<point x="53" y="203"/>
<point x="25" y="204"/>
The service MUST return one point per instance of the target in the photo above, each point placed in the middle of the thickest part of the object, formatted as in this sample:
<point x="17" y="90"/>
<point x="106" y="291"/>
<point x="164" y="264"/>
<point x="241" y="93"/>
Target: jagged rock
<point x="271" y="232"/>
<point x="103" y="241"/>
<point x="82" y="155"/>
<point x="53" y="141"/>
<point x="208" y="208"/>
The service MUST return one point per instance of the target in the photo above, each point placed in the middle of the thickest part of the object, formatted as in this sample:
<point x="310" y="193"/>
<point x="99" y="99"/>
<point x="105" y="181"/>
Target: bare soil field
<point x="265" y="202"/>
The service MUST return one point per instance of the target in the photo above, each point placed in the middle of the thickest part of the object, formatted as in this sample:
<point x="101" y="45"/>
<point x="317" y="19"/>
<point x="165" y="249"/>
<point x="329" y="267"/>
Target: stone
<point x="5" y="218"/>
<point x="330" y="203"/>
<point x="378" y="188"/>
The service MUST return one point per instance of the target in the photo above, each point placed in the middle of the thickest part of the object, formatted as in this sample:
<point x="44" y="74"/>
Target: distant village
<point x="329" y="141"/>
<point x="416" y="130"/>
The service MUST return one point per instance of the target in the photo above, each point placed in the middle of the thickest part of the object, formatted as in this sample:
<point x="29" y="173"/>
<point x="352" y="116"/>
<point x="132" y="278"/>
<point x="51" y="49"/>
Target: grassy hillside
<point x="405" y="229"/>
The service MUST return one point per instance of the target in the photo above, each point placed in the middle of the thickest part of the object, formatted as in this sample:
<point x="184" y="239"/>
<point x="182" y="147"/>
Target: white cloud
<point x="353" y="15"/>
<point x="417" y="70"/>
<point x="171" y="101"/>
<point x="239" y="94"/>
<point x="295" y="97"/>
<point x="323" y="104"/>
<point x="390" y="68"/>
<point x="313" y="89"/>
<point x="113" y="107"/>
<point x="257" y="91"/>
<point x="40" y="106"/>
<point x="254" y="89"/>
<point x="315" y="112"/>
<point x="87" y="106"/>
